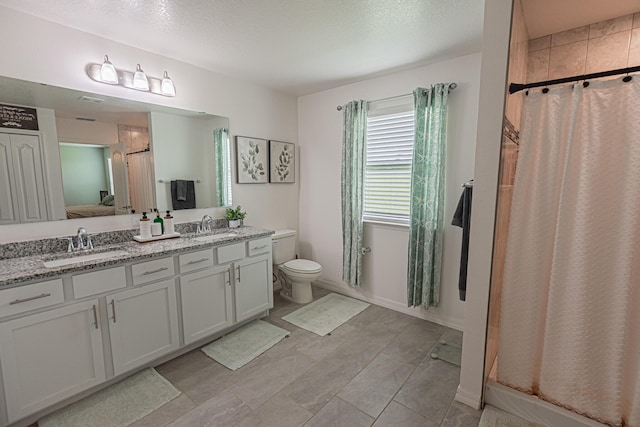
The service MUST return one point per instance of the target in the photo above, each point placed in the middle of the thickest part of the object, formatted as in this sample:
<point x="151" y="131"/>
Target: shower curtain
<point x="570" y="315"/>
<point x="141" y="183"/>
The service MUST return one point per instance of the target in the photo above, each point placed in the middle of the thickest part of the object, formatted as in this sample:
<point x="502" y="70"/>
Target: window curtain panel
<point x="221" y="147"/>
<point x="353" y="158"/>
<point x="427" y="196"/>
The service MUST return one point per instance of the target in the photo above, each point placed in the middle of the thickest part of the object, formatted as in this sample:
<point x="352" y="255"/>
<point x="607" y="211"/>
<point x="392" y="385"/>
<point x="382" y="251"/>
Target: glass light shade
<point x="140" y="81"/>
<point x="167" y="87"/>
<point x="108" y="73"/>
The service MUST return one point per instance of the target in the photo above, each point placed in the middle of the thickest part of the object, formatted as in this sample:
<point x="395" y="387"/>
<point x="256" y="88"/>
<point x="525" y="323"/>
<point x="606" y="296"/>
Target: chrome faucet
<point x="83" y="240"/>
<point x="205" y="224"/>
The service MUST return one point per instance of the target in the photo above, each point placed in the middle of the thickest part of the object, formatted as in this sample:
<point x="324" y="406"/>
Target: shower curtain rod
<point x="451" y="87"/>
<point x="517" y="87"/>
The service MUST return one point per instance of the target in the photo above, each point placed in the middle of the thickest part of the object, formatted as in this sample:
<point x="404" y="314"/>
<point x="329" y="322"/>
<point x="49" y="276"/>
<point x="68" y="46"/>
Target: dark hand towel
<point x="190" y="195"/>
<point x="462" y="218"/>
<point x="181" y="190"/>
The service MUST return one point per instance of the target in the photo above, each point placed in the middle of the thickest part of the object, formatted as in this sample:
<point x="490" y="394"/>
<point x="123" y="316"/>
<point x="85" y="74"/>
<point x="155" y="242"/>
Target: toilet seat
<point x="302" y="266"/>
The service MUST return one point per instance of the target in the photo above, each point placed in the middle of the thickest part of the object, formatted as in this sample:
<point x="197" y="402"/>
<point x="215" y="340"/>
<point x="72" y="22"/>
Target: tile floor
<point x="374" y="370"/>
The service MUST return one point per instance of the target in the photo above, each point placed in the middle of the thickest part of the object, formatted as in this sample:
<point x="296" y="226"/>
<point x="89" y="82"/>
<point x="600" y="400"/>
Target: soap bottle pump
<point x="159" y="220"/>
<point x="168" y="224"/>
<point x="145" y="226"/>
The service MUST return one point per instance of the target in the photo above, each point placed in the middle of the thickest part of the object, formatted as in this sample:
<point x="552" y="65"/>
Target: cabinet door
<point x="143" y="324"/>
<point x="50" y="356"/>
<point x="8" y="196"/>
<point x="29" y="181"/>
<point x="253" y="286"/>
<point x="206" y="302"/>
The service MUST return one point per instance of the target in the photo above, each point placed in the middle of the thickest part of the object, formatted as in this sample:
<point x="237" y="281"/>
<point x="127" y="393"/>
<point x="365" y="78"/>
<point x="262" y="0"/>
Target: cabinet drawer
<point x="98" y="282"/>
<point x="152" y="270"/>
<point x="196" y="260"/>
<point x="29" y="297"/>
<point x="231" y="252"/>
<point x="259" y="246"/>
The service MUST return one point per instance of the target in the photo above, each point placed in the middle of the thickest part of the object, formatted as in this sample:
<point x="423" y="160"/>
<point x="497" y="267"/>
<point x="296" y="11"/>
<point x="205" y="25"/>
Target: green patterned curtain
<point x="223" y="173"/>
<point x="353" y="158"/>
<point x="427" y="196"/>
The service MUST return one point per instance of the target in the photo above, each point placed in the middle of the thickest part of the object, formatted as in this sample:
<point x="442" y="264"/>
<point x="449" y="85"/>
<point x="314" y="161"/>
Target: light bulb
<point x="108" y="73"/>
<point x="140" y="81"/>
<point x="167" y="87"/>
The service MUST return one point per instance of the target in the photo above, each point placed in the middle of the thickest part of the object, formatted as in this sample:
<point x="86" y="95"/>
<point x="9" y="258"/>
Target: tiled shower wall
<point x="605" y="45"/>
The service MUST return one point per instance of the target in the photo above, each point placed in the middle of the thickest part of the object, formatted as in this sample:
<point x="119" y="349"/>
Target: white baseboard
<point x="533" y="409"/>
<point x="468" y="399"/>
<point x="390" y="304"/>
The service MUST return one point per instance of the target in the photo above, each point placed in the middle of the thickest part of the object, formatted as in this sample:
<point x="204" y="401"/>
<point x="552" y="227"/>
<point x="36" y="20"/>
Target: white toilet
<point x="295" y="275"/>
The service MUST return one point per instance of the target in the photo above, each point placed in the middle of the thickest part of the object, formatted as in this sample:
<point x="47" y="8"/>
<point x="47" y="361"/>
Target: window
<point x="389" y="151"/>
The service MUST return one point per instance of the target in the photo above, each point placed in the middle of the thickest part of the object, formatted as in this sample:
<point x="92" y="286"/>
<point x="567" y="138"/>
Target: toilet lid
<point x="302" y="266"/>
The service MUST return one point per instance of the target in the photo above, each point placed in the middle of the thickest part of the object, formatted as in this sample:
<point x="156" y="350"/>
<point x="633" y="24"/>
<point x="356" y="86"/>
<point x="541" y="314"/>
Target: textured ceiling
<point x="296" y="46"/>
<point x="546" y="17"/>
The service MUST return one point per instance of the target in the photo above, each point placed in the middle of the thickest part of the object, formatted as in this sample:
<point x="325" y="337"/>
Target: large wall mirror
<point x="96" y="155"/>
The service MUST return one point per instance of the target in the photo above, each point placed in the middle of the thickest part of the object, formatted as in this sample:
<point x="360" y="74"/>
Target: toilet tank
<point x="284" y="246"/>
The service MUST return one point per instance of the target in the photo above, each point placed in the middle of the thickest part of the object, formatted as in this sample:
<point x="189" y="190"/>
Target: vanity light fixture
<point x="138" y="80"/>
<point x="167" y="87"/>
<point x="108" y="73"/>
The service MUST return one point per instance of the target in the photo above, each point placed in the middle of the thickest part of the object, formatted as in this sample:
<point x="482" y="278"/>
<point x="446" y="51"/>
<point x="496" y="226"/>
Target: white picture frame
<point x="252" y="165"/>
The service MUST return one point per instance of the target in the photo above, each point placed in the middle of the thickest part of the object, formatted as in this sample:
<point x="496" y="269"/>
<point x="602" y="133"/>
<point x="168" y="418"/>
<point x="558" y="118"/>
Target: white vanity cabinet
<point x="253" y="286"/>
<point x="207" y="305"/>
<point x="143" y="324"/>
<point x="61" y="336"/>
<point x="252" y="283"/>
<point x="49" y="356"/>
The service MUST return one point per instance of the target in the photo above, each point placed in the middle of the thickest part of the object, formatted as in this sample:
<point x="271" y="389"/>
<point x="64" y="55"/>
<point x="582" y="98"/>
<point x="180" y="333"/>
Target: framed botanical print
<point x="282" y="160"/>
<point x="251" y="160"/>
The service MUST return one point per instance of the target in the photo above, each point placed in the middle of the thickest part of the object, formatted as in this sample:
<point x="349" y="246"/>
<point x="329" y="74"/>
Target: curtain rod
<point x="451" y="87"/>
<point x="517" y="87"/>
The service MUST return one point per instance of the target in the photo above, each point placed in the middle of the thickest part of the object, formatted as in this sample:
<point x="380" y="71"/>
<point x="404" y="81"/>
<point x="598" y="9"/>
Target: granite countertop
<point x="30" y="268"/>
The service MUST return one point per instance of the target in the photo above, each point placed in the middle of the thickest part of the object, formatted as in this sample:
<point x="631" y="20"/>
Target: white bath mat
<point x="117" y="405"/>
<point x="245" y="344"/>
<point x="326" y="314"/>
<point x="493" y="417"/>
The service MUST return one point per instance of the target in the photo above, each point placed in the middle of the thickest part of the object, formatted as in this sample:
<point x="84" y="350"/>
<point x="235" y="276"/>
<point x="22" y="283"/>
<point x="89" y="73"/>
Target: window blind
<point x="389" y="151"/>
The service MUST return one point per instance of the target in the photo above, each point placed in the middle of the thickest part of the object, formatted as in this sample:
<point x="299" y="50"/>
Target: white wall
<point x="49" y="53"/>
<point x="495" y="46"/>
<point x="182" y="149"/>
<point x="320" y="139"/>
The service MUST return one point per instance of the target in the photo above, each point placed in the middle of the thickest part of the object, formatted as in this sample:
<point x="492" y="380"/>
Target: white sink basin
<point x="83" y="258"/>
<point x="214" y="237"/>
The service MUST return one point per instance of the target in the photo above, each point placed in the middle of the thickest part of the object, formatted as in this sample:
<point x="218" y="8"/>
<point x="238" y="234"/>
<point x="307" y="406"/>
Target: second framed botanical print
<point x="282" y="160"/>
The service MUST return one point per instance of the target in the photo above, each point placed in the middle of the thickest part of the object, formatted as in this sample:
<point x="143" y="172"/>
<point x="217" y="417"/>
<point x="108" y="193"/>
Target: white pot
<point x="234" y="223"/>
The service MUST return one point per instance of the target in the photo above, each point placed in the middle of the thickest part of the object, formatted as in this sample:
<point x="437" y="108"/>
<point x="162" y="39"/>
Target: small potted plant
<point x="235" y="216"/>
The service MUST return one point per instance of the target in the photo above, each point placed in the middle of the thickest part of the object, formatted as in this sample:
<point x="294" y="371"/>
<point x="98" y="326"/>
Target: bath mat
<point x="326" y="314"/>
<point x="245" y="344"/>
<point x="117" y="405"/>
<point x="493" y="417"/>
<point x="447" y="352"/>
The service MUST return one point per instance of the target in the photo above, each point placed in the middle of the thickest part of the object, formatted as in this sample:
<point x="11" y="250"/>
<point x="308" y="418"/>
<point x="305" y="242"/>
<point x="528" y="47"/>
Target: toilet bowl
<point x="294" y="274"/>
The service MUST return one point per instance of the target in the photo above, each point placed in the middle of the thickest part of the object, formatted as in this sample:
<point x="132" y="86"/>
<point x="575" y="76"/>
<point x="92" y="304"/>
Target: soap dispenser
<point x="168" y="224"/>
<point x="145" y="226"/>
<point x="160" y="221"/>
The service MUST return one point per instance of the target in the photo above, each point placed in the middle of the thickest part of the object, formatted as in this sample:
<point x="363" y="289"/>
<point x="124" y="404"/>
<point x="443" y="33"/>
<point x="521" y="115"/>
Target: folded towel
<point x="181" y="190"/>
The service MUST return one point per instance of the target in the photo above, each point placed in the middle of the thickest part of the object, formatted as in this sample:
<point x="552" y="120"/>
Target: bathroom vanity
<point x="71" y="328"/>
